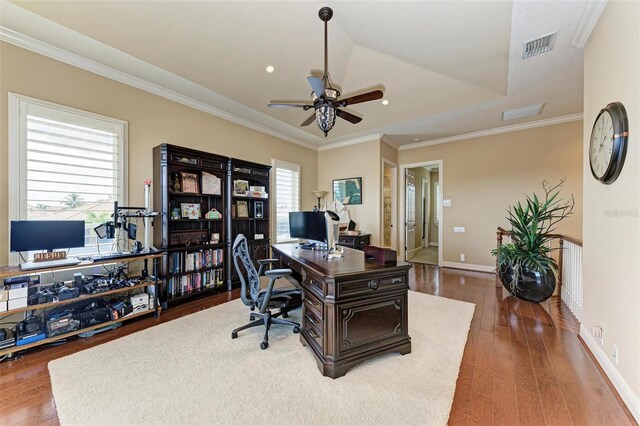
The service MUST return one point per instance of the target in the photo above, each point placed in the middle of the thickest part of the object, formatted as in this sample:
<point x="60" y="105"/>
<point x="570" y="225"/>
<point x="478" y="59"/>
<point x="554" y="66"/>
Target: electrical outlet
<point x="458" y="229"/>
<point x="615" y="354"/>
<point x="446" y="203"/>
<point x="598" y="332"/>
<point x="461" y="257"/>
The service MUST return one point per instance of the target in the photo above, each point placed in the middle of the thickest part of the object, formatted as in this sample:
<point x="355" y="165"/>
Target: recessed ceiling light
<point x="270" y="69"/>
<point x="385" y="102"/>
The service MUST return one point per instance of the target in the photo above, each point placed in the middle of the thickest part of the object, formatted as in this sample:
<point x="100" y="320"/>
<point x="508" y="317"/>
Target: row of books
<point x="186" y="262"/>
<point x="178" y="286"/>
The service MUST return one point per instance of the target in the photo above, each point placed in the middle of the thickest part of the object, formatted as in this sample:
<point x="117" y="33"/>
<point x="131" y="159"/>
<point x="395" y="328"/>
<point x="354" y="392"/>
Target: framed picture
<point x="240" y="187"/>
<point x="189" y="182"/>
<point x="258" y="209"/>
<point x="190" y="211"/>
<point x="215" y="237"/>
<point x="211" y="184"/>
<point x="348" y="191"/>
<point x="243" y="209"/>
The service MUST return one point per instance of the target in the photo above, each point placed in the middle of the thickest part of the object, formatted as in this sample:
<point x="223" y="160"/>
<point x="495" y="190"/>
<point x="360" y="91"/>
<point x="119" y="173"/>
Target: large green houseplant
<point x="525" y="265"/>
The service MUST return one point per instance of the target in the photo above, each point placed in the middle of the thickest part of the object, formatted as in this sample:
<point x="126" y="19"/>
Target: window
<point x="65" y="164"/>
<point x="287" y="189"/>
<point x="436" y="189"/>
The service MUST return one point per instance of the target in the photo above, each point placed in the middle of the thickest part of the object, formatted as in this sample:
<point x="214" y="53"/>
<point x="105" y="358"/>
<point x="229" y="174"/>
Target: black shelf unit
<point x="256" y="175"/>
<point x="189" y="239"/>
<point x="169" y="162"/>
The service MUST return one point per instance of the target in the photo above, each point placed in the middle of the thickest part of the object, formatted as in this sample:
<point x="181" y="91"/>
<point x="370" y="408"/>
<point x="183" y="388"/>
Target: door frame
<point x="403" y="168"/>
<point x="426" y="213"/>
<point x="394" y="202"/>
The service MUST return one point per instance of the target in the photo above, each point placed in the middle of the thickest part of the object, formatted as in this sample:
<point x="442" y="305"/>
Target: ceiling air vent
<point x="539" y="45"/>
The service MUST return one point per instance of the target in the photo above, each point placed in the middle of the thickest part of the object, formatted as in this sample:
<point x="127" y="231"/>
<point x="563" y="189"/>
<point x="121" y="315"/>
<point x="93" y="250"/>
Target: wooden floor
<point x="523" y="363"/>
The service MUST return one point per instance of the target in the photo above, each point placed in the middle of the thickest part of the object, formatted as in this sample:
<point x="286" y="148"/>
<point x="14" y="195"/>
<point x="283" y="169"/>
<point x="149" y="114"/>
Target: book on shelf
<point x="197" y="281"/>
<point x="183" y="261"/>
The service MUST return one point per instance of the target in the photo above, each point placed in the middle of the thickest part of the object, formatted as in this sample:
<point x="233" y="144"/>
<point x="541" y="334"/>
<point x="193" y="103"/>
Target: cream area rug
<point x="190" y="372"/>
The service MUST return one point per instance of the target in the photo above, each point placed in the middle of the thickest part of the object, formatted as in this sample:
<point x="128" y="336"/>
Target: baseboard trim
<point x="469" y="266"/>
<point x="627" y="395"/>
<point x="432" y="244"/>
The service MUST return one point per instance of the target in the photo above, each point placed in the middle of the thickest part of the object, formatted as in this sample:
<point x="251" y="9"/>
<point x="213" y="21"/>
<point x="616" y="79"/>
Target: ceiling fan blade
<point x="348" y="116"/>
<point x="317" y="85"/>
<point x="304" y="107"/>
<point x="309" y="120"/>
<point x="365" y="97"/>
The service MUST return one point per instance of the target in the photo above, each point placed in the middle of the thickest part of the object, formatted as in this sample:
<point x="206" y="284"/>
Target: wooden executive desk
<point x="353" y="310"/>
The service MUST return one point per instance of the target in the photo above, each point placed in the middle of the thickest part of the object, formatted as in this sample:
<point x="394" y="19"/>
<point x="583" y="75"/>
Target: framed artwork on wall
<point x="348" y="191"/>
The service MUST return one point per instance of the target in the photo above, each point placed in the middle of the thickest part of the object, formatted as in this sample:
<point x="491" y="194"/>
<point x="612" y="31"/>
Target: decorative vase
<point x="533" y="286"/>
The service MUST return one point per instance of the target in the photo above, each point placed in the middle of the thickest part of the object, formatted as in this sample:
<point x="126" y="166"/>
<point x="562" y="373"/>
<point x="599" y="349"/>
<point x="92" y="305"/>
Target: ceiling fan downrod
<point x="325" y="14"/>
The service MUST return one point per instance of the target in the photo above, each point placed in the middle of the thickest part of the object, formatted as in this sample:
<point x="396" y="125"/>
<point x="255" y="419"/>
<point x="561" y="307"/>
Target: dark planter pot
<point x="533" y="286"/>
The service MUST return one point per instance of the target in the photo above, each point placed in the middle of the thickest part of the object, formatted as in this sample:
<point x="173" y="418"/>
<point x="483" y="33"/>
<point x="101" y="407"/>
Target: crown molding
<point x="386" y="139"/>
<point x="29" y="43"/>
<point x="348" y="142"/>
<point x="496" y="131"/>
<point x="588" y="20"/>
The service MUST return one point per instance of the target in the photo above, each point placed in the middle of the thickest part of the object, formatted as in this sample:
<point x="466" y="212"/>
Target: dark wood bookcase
<point x="193" y="264"/>
<point x="254" y="227"/>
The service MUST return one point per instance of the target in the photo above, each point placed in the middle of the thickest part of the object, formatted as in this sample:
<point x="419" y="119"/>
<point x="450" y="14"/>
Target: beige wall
<point x="483" y="176"/>
<point x="433" y="227"/>
<point x="611" y="213"/>
<point x="361" y="160"/>
<point x="152" y="120"/>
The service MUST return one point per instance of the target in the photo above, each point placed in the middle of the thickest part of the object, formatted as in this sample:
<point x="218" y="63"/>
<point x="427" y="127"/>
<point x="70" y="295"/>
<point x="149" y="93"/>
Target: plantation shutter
<point x="287" y="181"/>
<point x="72" y="166"/>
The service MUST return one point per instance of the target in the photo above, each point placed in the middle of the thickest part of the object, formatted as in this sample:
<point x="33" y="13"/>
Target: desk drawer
<point x="372" y="285"/>
<point x="312" y="281"/>
<point x="312" y="327"/>
<point x="290" y="264"/>
<point x="311" y="303"/>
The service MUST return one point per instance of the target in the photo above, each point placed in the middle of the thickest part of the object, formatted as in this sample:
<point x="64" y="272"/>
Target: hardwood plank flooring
<point x="523" y="363"/>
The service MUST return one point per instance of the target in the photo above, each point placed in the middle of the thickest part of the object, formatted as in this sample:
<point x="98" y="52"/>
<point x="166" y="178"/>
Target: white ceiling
<point x="447" y="68"/>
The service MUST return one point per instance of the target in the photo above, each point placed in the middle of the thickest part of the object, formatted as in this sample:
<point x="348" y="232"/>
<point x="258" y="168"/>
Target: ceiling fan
<point x="325" y="99"/>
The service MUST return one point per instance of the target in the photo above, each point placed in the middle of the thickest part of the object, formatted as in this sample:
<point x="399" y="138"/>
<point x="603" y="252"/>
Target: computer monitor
<point x="310" y="226"/>
<point x="32" y="235"/>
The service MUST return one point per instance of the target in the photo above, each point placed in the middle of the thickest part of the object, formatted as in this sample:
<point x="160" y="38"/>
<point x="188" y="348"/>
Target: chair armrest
<point x="263" y="265"/>
<point x="277" y="273"/>
<point x="266" y="261"/>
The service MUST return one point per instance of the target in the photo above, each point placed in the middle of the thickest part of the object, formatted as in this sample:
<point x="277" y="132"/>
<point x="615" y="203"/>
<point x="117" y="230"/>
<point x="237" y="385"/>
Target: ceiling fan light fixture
<point x="325" y="118"/>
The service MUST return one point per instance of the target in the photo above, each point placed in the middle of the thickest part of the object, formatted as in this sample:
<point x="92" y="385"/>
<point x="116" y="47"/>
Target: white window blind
<point x="71" y="166"/>
<point x="287" y="189"/>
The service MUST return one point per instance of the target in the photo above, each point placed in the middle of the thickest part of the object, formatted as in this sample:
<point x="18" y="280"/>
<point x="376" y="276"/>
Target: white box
<point x="18" y="291"/>
<point x="3" y="306"/>
<point x="140" y="302"/>
<point x="17" y="303"/>
<point x="4" y="295"/>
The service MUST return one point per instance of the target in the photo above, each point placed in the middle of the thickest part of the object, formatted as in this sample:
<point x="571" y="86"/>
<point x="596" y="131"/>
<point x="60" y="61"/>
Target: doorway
<point x="389" y="203"/>
<point x="423" y="212"/>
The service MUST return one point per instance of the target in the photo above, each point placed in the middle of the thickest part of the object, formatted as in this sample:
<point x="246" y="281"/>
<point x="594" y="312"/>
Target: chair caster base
<point x="234" y="335"/>
<point x="264" y="345"/>
<point x="296" y="330"/>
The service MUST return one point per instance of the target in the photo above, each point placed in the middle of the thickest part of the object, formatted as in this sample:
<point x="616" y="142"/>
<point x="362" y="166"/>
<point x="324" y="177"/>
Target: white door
<point x="410" y="220"/>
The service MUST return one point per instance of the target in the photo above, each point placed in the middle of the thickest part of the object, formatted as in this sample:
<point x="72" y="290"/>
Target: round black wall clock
<point x="608" y="146"/>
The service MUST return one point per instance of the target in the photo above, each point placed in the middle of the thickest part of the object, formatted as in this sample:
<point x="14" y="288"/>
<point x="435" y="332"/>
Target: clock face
<point x="601" y="147"/>
<point x="608" y="145"/>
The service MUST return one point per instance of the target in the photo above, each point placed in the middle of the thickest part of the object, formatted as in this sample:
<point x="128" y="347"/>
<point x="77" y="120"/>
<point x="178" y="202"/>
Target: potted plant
<point x="525" y="265"/>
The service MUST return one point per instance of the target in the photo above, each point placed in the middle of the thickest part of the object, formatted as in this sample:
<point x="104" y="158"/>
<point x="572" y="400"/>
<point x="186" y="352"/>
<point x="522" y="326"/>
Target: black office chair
<point x="273" y="291"/>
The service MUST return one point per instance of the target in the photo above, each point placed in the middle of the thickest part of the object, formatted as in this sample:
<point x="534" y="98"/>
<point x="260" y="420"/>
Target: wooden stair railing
<point x="501" y="232"/>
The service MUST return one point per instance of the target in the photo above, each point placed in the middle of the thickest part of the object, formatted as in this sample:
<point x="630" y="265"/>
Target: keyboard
<point x="27" y="266"/>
